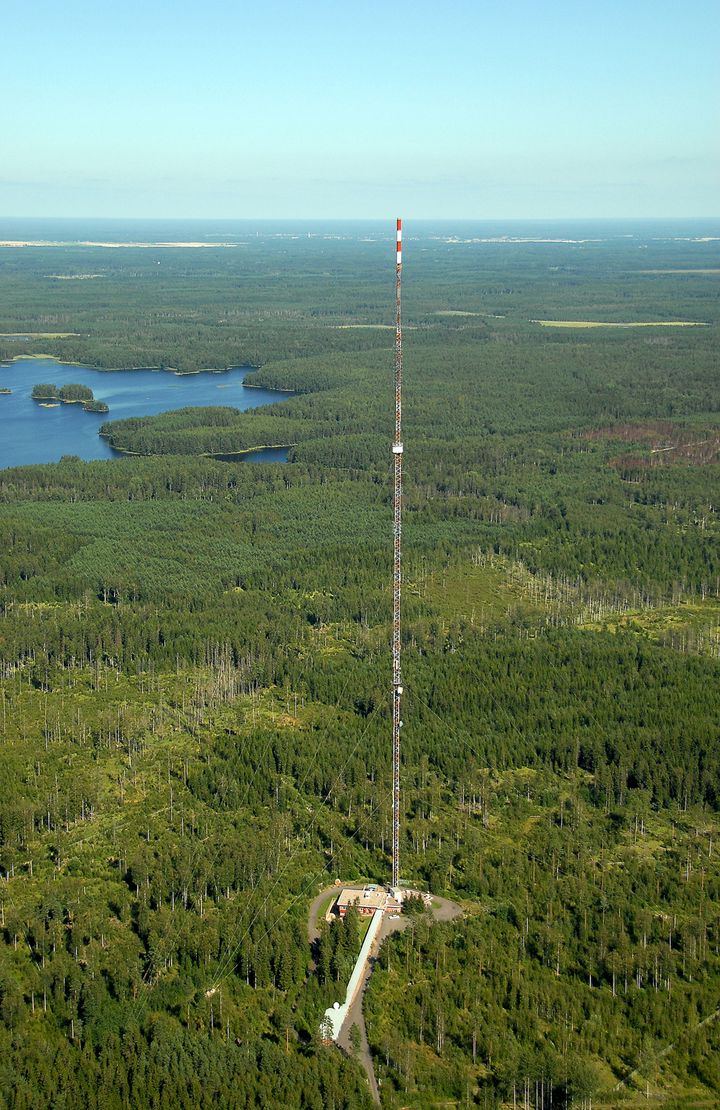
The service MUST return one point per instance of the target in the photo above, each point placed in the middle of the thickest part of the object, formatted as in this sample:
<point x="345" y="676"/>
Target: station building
<point x="367" y="900"/>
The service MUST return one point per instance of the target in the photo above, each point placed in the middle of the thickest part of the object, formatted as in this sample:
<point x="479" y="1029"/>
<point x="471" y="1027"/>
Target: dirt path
<point x="356" y="1017"/>
<point x="442" y="910"/>
<point x="313" y="926"/>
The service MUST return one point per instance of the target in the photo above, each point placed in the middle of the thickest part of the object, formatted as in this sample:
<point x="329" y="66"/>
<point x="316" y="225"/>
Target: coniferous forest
<point x="195" y="676"/>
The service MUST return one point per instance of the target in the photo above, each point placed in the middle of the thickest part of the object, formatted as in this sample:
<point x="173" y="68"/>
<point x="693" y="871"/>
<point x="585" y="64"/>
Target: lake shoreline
<point x="274" y="388"/>
<point x="214" y="456"/>
<point x="43" y="429"/>
<point x="227" y="456"/>
<point x="135" y="369"/>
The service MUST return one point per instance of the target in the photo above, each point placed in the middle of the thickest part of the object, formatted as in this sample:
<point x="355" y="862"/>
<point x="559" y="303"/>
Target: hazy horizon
<point x="379" y="219"/>
<point x="317" y="112"/>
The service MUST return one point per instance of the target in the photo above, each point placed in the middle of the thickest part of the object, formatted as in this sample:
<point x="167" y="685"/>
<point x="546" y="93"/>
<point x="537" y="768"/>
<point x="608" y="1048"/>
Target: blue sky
<point x="279" y="110"/>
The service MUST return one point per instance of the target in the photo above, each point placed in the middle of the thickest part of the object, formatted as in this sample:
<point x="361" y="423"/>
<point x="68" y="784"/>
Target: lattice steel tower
<point x="397" y="448"/>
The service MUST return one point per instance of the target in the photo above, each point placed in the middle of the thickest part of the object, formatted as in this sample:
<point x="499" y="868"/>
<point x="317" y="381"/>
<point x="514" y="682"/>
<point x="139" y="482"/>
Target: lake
<point x="32" y="434"/>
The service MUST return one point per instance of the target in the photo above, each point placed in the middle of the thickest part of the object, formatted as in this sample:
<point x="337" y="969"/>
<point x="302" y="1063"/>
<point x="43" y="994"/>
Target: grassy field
<point x="38" y="334"/>
<point x="616" y="324"/>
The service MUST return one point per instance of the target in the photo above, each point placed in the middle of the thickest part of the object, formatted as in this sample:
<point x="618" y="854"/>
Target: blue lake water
<point x="32" y="434"/>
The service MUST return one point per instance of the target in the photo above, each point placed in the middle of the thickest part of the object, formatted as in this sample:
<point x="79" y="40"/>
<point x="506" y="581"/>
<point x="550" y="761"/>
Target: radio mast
<point x="397" y="448"/>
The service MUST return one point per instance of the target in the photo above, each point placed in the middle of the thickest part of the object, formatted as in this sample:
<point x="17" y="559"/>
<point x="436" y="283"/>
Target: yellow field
<point x="461" y="312"/>
<point x="612" y="324"/>
<point x="709" y="270"/>
<point x="75" y="277"/>
<point x="38" y="334"/>
<point x="98" y="243"/>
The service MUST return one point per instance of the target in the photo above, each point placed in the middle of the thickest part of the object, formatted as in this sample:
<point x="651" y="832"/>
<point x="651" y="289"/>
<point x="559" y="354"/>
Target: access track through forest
<point x="443" y="909"/>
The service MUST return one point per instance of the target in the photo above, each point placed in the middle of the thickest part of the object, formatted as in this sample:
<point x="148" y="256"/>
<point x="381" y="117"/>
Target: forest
<point x="195" y="677"/>
<point x="70" y="394"/>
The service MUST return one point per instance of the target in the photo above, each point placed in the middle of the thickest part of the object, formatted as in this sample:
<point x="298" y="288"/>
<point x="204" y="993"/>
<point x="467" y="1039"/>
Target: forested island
<point x="71" y="394"/>
<point x="194" y="690"/>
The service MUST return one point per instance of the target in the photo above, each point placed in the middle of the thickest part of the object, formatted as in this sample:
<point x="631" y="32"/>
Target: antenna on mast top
<point x="397" y="448"/>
